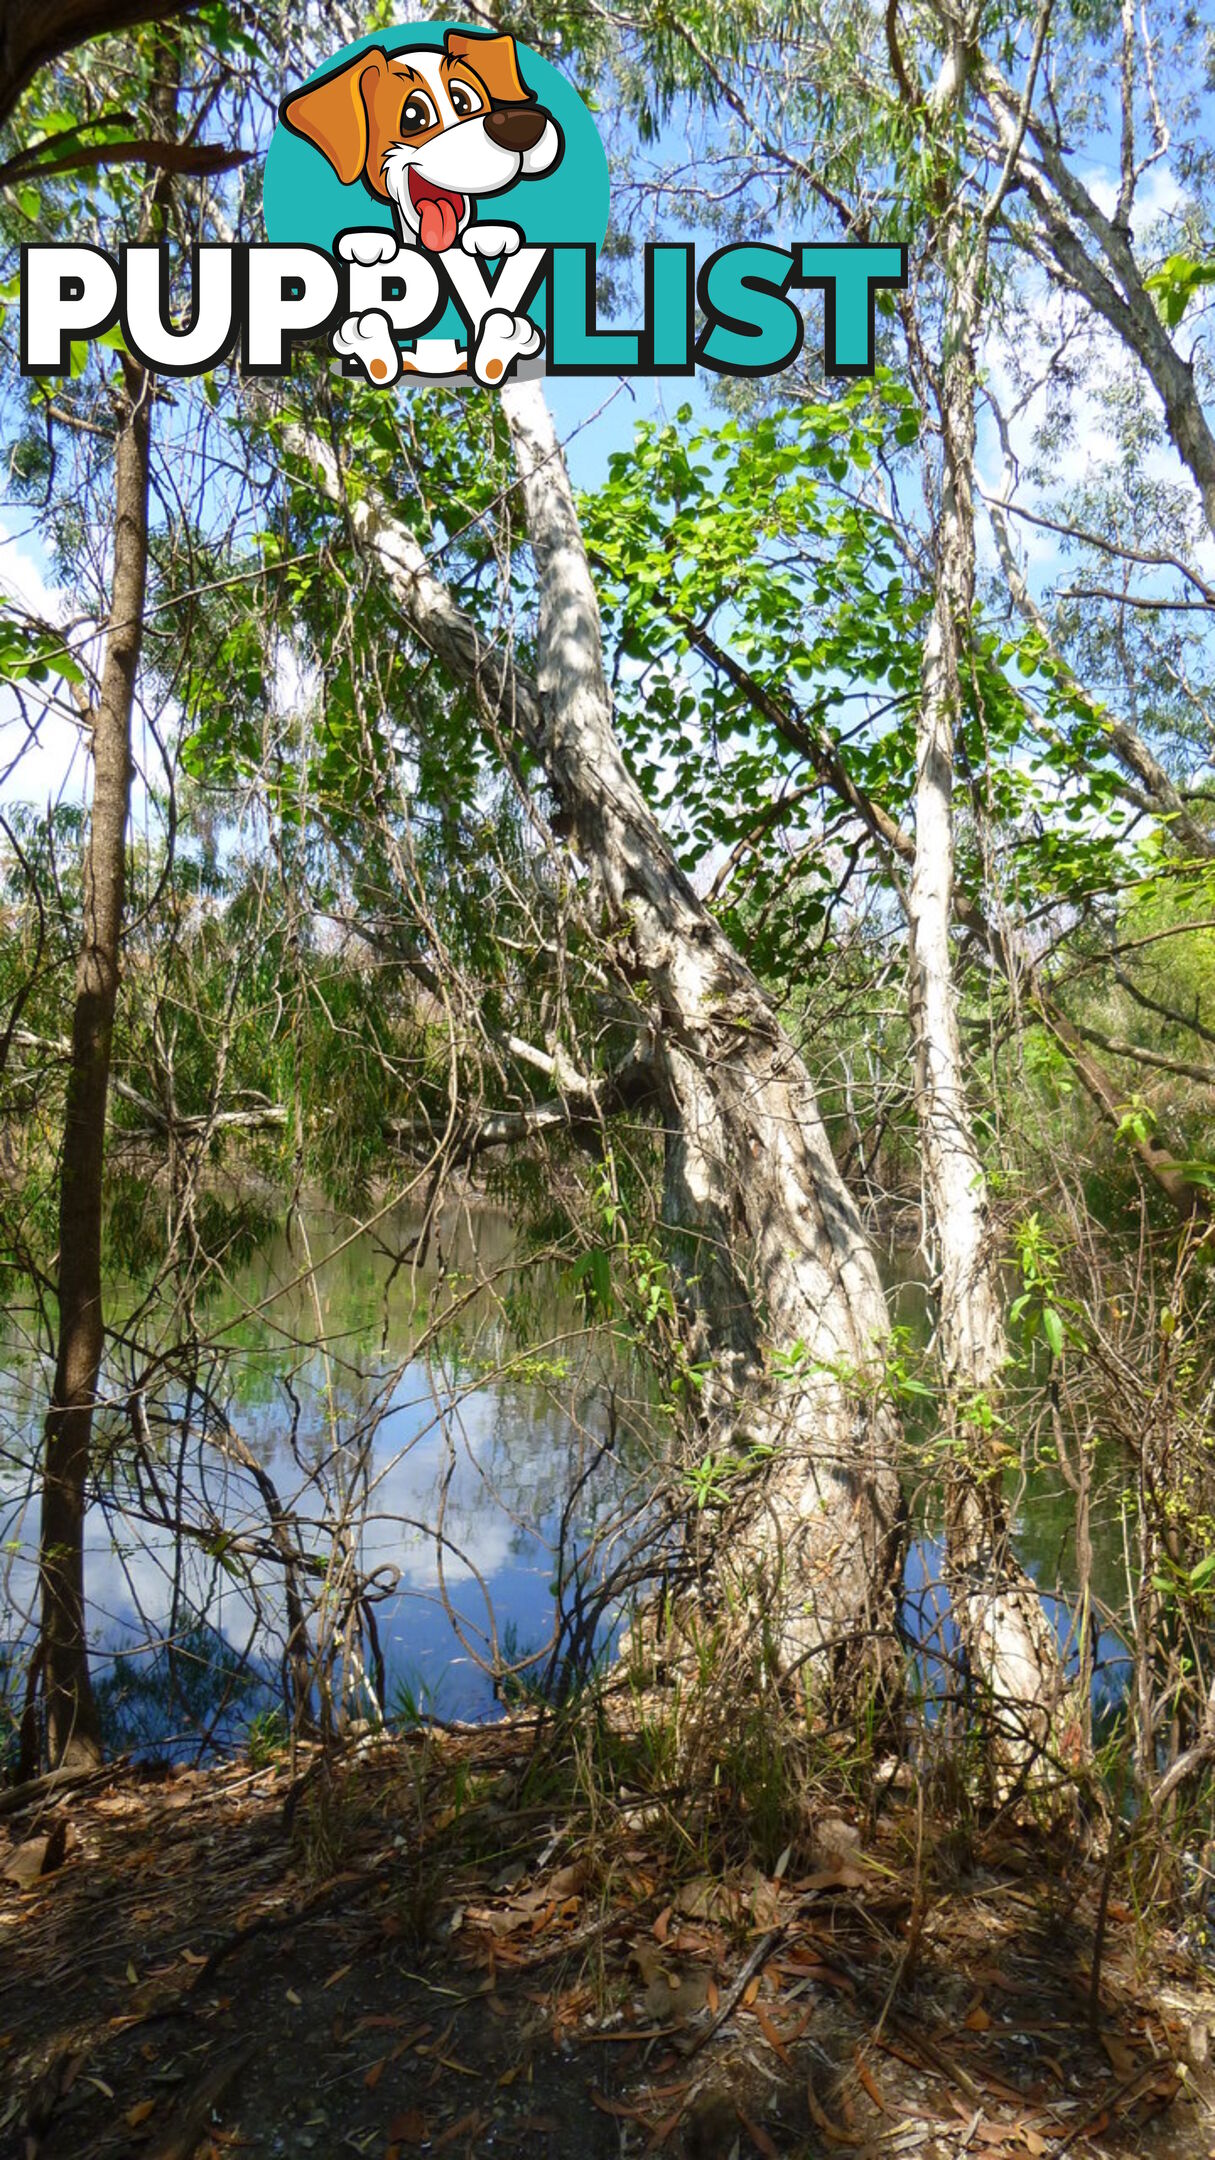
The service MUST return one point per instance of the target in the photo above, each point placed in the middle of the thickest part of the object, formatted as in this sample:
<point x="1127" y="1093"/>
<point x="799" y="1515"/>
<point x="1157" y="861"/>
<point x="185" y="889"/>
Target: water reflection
<point x="450" y="1457"/>
<point x="354" y="1378"/>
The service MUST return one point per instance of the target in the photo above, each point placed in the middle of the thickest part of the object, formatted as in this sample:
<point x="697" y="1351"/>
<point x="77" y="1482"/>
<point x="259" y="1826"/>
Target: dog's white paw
<point x="369" y="340"/>
<point x="504" y="339"/>
<point x="374" y="246"/>
<point x="491" y="240"/>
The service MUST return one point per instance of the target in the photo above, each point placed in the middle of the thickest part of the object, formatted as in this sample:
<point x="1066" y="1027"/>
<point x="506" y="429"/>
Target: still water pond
<point x="453" y="1456"/>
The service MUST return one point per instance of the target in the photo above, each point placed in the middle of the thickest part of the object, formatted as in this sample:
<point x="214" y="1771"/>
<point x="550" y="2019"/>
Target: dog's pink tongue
<point x="438" y="223"/>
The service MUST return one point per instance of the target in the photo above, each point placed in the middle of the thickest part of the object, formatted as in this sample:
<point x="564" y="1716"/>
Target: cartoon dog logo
<point x="431" y="131"/>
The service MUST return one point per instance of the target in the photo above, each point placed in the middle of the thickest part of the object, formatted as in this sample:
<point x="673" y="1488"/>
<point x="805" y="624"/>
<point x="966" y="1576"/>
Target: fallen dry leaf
<point x="29" y="1862"/>
<point x="468" y="2125"/>
<point x="619" y="2108"/>
<point x="758" y="2136"/>
<point x="774" y="2038"/>
<point x="568" y="1881"/>
<point x="408" y="2128"/>
<point x="138" y="2114"/>
<point x="844" y="1876"/>
<point x="834" y="2133"/>
<point x="870" y="2083"/>
<point x="662" y="2131"/>
<point x="1123" y="2060"/>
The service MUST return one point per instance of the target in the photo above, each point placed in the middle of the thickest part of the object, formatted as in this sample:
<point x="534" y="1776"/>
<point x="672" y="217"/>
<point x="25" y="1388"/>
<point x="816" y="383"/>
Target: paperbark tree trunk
<point x="970" y="1301"/>
<point x="1009" y="1645"/>
<point x="780" y="1256"/>
<point x="779" y="1261"/>
<point x="73" y="1737"/>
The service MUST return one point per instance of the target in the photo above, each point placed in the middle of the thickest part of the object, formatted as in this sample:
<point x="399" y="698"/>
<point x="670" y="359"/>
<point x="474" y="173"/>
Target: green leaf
<point x="1176" y="283"/>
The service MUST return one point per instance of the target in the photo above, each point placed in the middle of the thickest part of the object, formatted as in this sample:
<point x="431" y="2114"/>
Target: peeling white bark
<point x="971" y="1328"/>
<point x="780" y="1256"/>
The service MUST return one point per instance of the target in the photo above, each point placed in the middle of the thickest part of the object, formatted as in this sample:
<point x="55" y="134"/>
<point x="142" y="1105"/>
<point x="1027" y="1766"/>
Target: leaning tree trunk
<point x="1007" y="1639"/>
<point x="781" y="1263"/>
<point x="73" y="1737"/>
<point x="780" y="1257"/>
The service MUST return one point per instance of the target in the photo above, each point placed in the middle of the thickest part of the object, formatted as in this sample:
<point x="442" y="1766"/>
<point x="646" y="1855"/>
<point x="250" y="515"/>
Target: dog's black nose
<point x="516" y="128"/>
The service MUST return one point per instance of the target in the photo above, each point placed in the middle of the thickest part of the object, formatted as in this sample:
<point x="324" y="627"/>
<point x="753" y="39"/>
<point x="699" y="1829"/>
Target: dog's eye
<point x="417" y="113"/>
<point x="464" y="101"/>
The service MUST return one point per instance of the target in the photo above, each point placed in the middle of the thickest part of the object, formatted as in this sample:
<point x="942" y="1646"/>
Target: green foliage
<point x="1175" y="284"/>
<point x="713" y="1481"/>
<point x="267" y="1736"/>
<point x="31" y="653"/>
<point x="1041" y="1310"/>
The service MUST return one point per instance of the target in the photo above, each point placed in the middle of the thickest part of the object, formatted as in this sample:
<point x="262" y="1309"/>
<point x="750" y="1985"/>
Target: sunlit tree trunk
<point x="970" y="1303"/>
<point x="780" y="1258"/>
<point x="73" y="1737"/>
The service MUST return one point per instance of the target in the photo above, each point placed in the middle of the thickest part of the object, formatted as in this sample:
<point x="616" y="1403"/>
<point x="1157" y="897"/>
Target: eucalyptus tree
<point x="924" y="123"/>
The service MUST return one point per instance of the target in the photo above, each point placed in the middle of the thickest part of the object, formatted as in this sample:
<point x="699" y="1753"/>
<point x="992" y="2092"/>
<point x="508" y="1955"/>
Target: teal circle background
<point x="304" y="201"/>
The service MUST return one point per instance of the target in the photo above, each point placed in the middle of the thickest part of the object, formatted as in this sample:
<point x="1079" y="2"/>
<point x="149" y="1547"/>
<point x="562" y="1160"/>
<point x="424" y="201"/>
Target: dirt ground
<point x="413" y="1954"/>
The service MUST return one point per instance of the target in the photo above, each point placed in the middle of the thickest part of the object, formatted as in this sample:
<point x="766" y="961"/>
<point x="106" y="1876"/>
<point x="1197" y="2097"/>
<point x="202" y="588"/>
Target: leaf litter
<point x="458" y="1967"/>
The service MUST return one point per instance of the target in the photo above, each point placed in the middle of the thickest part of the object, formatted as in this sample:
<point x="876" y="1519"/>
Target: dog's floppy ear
<point x="494" y="59"/>
<point x="333" y="115"/>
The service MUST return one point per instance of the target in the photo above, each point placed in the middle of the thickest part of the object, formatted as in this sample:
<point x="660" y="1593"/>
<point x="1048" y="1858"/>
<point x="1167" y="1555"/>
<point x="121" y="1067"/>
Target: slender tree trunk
<point x="73" y="1737"/>
<point x="970" y="1302"/>
<point x="778" y="1261"/>
<point x="1009" y="1644"/>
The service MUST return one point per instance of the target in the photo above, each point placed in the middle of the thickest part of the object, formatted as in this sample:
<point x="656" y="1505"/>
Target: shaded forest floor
<point x="422" y="1950"/>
